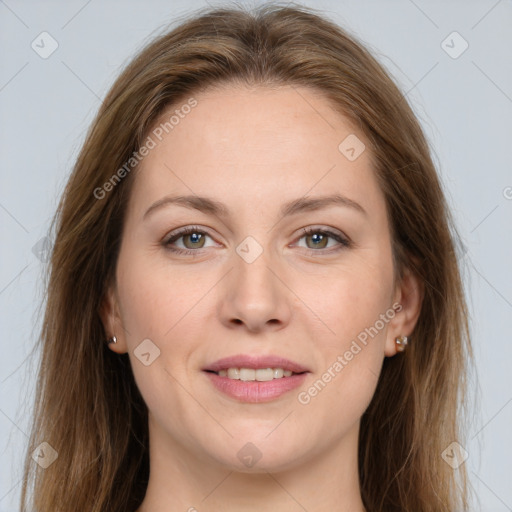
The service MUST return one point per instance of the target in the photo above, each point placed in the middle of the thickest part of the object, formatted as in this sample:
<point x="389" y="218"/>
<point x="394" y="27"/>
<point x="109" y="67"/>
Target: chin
<point x="255" y="457"/>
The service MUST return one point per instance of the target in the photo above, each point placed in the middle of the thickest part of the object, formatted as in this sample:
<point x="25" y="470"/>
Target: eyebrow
<point x="218" y="209"/>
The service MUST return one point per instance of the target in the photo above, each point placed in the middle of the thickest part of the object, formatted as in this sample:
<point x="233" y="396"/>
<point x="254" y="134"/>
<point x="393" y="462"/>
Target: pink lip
<point x="254" y="391"/>
<point x="255" y="362"/>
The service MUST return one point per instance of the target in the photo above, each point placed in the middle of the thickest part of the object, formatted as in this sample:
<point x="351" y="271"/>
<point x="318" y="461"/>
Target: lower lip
<point x="256" y="391"/>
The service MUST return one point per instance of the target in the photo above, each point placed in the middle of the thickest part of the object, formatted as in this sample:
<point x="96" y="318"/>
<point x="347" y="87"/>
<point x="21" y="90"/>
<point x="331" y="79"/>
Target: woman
<point x="254" y="298"/>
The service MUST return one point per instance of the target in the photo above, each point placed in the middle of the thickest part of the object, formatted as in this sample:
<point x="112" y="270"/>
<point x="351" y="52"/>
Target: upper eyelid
<point x="186" y="229"/>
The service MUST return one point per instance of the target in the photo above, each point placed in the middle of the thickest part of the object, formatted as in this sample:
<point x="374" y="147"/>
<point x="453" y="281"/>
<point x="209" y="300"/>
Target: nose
<point x="255" y="296"/>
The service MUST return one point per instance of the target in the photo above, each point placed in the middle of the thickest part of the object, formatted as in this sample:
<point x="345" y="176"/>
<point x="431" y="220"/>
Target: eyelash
<point x="344" y="243"/>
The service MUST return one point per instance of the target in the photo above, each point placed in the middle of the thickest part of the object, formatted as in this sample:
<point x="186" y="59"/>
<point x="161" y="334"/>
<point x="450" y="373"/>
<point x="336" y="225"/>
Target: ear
<point x="109" y="312"/>
<point x="408" y="298"/>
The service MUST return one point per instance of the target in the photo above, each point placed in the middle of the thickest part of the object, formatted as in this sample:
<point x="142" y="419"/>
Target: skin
<point x="255" y="149"/>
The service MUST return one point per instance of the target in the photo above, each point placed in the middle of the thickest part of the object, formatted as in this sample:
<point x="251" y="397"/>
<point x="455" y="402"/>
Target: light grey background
<point x="464" y="104"/>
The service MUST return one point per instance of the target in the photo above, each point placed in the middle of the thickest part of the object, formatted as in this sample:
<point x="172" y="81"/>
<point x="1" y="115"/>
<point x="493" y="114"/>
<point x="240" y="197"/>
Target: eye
<point x="193" y="238"/>
<point x="320" y="238"/>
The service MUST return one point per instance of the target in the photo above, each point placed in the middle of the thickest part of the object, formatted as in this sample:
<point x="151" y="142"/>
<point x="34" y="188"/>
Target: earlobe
<point x="409" y="297"/>
<point x="112" y="322"/>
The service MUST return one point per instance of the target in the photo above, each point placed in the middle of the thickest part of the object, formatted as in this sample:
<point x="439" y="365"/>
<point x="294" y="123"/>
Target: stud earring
<point x="400" y="343"/>
<point x="112" y="340"/>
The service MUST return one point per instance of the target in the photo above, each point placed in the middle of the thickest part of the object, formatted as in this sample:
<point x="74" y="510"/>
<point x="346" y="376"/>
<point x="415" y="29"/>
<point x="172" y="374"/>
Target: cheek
<point x="164" y="309"/>
<point x="158" y="300"/>
<point x="351" y="359"/>
<point x="352" y="312"/>
<point x="161" y="307"/>
<point x="347" y="303"/>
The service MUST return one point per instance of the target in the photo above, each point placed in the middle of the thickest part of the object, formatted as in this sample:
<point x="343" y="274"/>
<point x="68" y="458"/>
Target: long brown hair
<point x="88" y="407"/>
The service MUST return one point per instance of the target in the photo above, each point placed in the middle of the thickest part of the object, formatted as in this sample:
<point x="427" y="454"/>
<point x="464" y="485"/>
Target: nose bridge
<point x="253" y="274"/>
<point x="255" y="294"/>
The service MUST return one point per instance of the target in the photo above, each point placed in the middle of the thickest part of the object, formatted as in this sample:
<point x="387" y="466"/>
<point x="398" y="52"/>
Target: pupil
<point x="195" y="237"/>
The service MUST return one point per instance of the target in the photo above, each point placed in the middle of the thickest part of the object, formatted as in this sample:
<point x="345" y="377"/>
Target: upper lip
<point x="255" y="362"/>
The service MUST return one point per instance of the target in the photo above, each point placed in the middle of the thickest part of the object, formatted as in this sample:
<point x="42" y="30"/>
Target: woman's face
<point x="249" y="282"/>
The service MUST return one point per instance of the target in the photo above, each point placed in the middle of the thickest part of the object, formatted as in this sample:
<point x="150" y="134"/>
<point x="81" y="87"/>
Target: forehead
<point x="264" y="144"/>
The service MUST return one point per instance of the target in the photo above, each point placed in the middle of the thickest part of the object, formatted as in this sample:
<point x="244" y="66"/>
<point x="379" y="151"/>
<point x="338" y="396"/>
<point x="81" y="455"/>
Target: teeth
<point x="248" y="374"/>
<point x="278" y="373"/>
<point x="260" y="375"/>
<point x="233" y="373"/>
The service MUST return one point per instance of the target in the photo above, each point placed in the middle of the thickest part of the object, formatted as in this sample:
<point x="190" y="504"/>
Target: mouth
<point x="255" y="379"/>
